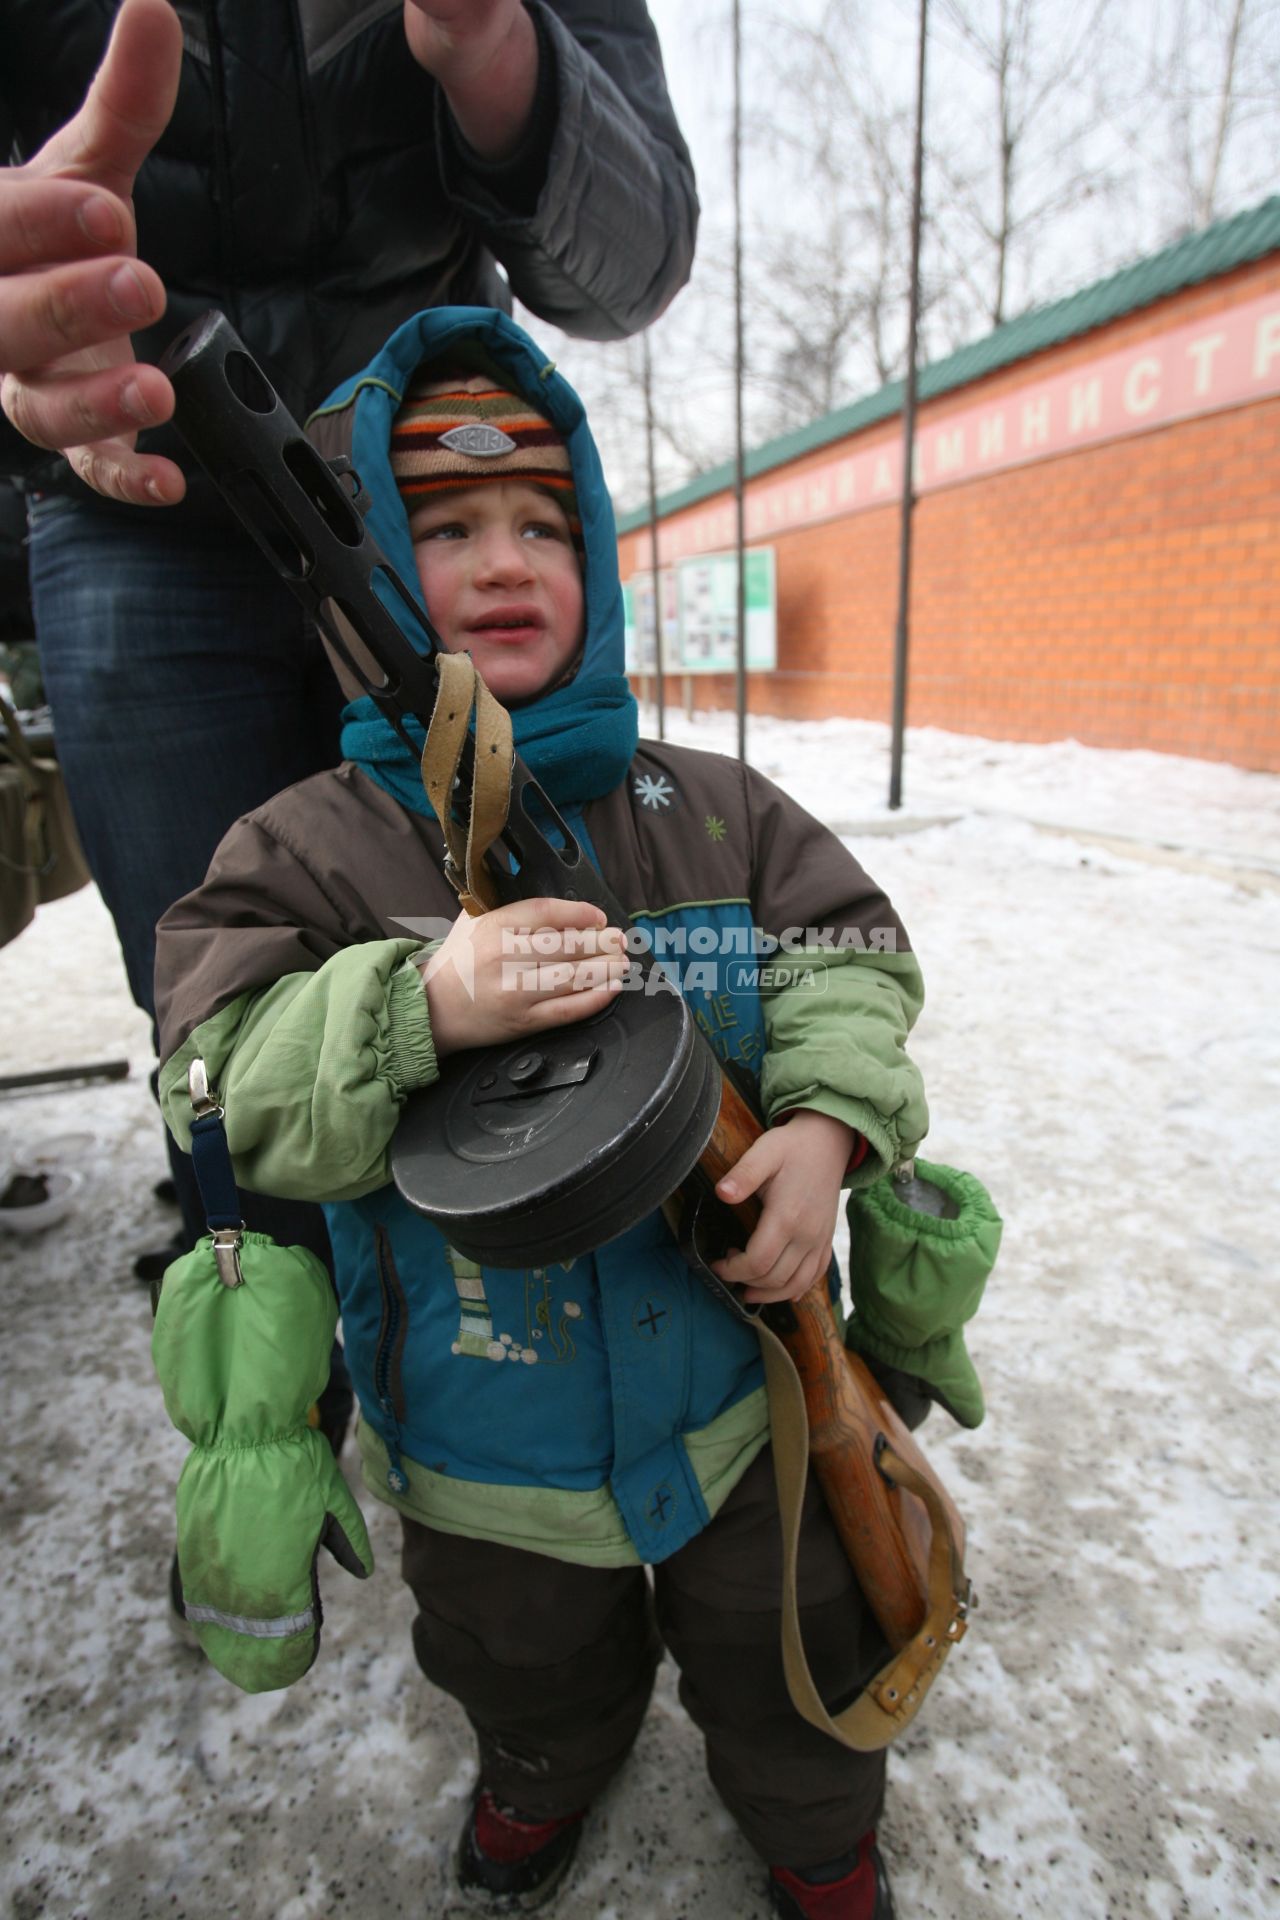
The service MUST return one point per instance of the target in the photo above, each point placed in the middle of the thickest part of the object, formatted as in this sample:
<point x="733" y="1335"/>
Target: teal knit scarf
<point x="577" y="743"/>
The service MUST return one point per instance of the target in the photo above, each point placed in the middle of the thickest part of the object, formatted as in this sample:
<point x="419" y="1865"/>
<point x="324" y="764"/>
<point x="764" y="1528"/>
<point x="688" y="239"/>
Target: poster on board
<point x="637" y="600"/>
<point x="699" y="615"/>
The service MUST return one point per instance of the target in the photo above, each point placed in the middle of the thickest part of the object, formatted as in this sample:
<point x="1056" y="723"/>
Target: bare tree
<point x="1225" y="109"/>
<point x="829" y="288"/>
<point x="1035" y="156"/>
<point x="692" y="392"/>
<point x="1203" y="124"/>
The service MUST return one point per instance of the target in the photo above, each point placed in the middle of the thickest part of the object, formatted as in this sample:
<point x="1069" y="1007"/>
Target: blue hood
<point x="579" y="740"/>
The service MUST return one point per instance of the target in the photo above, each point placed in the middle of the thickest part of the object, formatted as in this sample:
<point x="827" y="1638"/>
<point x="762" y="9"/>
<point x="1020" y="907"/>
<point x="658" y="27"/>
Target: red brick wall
<point x="1125" y="595"/>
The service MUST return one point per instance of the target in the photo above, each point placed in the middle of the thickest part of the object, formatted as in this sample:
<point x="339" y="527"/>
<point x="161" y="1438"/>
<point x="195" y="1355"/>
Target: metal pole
<point x="65" y="1076"/>
<point x="653" y="534"/>
<point x="908" y="440"/>
<point x="738" y="372"/>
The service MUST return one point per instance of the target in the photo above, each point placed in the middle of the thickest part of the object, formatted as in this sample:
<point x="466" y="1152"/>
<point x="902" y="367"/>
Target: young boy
<point x="547" y="1433"/>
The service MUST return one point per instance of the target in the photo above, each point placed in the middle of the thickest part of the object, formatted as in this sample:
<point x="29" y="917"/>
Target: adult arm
<point x="593" y="211"/>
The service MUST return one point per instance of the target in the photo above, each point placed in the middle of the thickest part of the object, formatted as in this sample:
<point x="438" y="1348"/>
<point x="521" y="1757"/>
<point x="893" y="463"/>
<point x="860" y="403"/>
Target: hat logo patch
<point x="481" y="442"/>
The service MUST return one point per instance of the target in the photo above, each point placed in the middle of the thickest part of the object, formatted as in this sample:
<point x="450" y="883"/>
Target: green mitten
<point x="916" y="1278"/>
<point x="261" y="1491"/>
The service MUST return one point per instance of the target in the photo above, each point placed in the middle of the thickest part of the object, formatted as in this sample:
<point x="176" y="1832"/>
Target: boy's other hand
<point x="520" y="969"/>
<point x="484" y="53"/>
<point x="796" y="1170"/>
<point x="72" y="289"/>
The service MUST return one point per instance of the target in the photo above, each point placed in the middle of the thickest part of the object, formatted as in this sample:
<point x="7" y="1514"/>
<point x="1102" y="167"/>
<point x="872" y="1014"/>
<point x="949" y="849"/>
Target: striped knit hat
<point x="461" y="428"/>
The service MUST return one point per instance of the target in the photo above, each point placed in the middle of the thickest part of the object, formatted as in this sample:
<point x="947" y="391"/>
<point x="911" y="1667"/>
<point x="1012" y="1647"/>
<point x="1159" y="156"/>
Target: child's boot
<point x="855" y="1887"/>
<point x="516" y="1858"/>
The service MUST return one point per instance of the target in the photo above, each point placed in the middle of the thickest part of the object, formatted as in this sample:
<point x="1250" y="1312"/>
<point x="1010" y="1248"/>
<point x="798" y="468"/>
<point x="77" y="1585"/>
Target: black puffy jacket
<point x="312" y="185"/>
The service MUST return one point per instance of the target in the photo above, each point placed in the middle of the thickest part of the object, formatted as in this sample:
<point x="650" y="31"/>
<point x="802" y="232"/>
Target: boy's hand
<point x="796" y="1170"/>
<point x="484" y="53"/>
<point x="520" y="969"/>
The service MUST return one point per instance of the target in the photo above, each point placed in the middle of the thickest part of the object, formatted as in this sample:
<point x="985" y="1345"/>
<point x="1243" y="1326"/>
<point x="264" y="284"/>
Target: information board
<point x="699" y="624"/>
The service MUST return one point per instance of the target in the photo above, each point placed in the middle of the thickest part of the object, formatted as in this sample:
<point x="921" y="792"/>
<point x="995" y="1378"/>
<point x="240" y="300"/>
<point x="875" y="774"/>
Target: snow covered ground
<point x="1100" y="934"/>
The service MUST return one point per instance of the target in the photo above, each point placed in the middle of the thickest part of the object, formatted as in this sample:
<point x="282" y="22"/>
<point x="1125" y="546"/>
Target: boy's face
<point x="500" y="576"/>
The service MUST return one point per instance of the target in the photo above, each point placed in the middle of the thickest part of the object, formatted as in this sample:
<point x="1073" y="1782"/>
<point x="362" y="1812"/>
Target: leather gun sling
<point x="461" y="690"/>
<point x="891" y="1700"/>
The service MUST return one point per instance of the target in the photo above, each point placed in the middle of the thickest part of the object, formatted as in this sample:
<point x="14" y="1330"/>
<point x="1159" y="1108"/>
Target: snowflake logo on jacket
<point x="654" y="791"/>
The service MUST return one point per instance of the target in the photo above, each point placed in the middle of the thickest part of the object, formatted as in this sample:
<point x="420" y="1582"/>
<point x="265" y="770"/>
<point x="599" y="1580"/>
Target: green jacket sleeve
<point x="843" y="988"/>
<point x="313" y="1072"/>
<point x="837" y="1043"/>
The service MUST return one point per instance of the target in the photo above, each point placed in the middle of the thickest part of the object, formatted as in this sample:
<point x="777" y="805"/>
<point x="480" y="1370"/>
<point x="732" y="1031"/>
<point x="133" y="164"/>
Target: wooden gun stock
<point x="886" y="1531"/>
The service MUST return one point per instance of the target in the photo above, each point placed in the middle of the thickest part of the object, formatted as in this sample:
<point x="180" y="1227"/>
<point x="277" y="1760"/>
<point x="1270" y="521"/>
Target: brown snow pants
<point x="554" y="1663"/>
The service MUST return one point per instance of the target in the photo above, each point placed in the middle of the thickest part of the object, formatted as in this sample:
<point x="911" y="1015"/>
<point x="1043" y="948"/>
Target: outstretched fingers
<point x="129" y="101"/>
<point x="83" y="305"/>
<point x="69" y="376"/>
<point x="71" y="290"/>
<point x="74" y="408"/>
<point x="47" y="220"/>
<point x="112" y="468"/>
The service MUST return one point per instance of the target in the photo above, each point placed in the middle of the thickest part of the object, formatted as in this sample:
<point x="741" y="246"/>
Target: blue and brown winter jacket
<point x="598" y="1412"/>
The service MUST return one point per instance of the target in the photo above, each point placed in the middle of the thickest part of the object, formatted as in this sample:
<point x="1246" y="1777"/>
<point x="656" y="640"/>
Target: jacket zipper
<point x="386" y="1364"/>
<point x="221" y="162"/>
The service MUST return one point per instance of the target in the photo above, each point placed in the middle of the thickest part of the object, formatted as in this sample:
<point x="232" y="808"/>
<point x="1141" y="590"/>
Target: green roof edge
<point x="1229" y="243"/>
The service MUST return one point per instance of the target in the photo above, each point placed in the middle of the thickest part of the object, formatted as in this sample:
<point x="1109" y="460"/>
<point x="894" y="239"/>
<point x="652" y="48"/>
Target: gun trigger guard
<point x="878" y="1451"/>
<point x="727" y="1296"/>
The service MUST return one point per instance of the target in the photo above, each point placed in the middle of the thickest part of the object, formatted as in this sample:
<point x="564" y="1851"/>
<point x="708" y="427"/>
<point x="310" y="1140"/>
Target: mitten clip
<point x="215" y="1176"/>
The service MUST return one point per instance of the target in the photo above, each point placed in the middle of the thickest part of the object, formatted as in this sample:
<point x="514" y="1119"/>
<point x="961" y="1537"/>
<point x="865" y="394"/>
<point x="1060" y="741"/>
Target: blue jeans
<point x="187" y="687"/>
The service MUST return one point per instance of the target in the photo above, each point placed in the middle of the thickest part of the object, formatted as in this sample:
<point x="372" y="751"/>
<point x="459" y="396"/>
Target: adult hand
<point x="484" y="53"/>
<point x="71" y="286"/>
<point x="520" y="969"/>
<point x="797" y="1170"/>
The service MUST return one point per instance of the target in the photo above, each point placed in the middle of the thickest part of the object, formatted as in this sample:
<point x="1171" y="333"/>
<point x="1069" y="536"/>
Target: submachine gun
<point x="539" y="1151"/>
